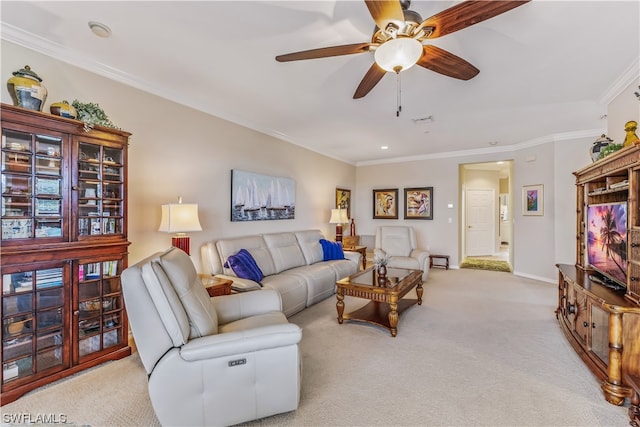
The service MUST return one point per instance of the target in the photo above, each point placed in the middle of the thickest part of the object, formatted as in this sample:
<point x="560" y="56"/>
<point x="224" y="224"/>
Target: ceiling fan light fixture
<point x="398" y="54"/>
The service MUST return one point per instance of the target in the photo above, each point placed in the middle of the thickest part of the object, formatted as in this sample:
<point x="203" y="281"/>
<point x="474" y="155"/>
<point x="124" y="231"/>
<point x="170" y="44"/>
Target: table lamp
<point x="338" y="217"/>
<point x="179" y="218"/>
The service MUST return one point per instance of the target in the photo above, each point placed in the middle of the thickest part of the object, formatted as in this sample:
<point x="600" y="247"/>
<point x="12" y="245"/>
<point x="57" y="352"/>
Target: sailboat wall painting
<point x="257" y="197"/>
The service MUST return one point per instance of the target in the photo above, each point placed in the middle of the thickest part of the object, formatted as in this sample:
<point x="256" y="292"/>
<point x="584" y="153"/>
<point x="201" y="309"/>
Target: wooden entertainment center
<point x="601" y="321"/>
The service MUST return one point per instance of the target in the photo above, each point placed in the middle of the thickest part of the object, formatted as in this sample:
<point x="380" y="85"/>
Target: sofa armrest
<point x="244" y="284"/>
<point x="353" y="256"/>
<point x="238" y="306"/>
<point x="422" y="256"/>
<point x="232" y="343"/>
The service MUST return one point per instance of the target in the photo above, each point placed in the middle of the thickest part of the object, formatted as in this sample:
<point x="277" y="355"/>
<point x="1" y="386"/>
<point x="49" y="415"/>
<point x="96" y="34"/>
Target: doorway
<point x="486" y="217"/>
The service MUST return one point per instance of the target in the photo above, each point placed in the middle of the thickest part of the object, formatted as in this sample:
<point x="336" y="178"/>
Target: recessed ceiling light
<point x="99" y="29"/>
<point x="493" y="143"/>
<point x="500" y="163"/>
<point x="384" y="147"/>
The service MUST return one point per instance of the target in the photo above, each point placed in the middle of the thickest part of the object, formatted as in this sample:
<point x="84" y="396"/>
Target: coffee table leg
<point x="393" y="318"/>
<point x="419" y="291"/>
<point x="340" y="305"/>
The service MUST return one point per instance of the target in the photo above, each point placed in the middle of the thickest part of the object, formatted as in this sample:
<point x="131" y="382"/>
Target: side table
<point x="216" y="286"/>
<point x="362" y="250"/>
<point x="439" y="257"/>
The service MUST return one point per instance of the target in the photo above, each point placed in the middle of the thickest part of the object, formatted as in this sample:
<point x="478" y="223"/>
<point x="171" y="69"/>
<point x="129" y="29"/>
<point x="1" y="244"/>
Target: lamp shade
<point x="398" y="54"/>
<point x="338" y="216"/>
<point x="180" y="218"/>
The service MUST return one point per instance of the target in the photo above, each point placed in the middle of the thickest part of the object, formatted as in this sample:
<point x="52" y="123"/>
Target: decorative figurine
<point x="25" y="89"/>
<point x="631" y="138"/>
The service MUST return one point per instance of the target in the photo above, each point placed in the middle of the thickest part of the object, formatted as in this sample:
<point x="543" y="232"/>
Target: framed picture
<point x="343" y="200"/>
<point x="257" y="197"/>
<point x="418" y="203"/>
<point x="385" y="204"/>
<point x="533" y="200"/>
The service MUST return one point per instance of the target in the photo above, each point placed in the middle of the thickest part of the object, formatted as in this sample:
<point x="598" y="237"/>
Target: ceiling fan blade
<point x="369" y="80"/>
<point x="466" y="14"/>
<point x="446" y="63"/>
<point x="325" y="52"/>
<point x="384" y="12"/>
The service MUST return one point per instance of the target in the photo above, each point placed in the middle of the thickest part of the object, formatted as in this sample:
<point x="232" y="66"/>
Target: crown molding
<point x="556" y="137"/>
<point x="628" y="76"/>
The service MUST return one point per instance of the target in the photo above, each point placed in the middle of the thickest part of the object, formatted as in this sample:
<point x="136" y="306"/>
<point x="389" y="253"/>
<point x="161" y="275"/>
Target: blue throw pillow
<point x="244" y="266"/>
<point x="331" y="250"/>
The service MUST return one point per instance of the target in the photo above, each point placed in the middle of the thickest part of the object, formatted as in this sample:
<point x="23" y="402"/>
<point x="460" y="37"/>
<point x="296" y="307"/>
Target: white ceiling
<point x="547" y="69"/>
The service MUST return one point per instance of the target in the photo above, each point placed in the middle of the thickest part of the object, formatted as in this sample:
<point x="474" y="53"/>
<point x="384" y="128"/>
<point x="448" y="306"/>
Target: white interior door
<point x="480" y="221"/>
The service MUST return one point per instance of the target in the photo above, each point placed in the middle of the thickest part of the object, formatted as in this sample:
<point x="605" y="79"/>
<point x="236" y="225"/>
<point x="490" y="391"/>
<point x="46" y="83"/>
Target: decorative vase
<point x="63" y="109"/>
<point x="25" y="89"/>
<point x="382" y="275"/>
<point x="352" y="227"/>
<point x="598" y="145"/>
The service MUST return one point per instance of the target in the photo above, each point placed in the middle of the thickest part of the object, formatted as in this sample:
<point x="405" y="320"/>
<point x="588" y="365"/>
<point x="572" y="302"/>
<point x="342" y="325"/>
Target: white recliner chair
<point x="210" y="361"/>
<point x="400" y="245"/>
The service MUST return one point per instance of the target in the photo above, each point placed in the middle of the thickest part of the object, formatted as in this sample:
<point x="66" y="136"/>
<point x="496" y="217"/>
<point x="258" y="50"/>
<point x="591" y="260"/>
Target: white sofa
<point x="291" y="262"/>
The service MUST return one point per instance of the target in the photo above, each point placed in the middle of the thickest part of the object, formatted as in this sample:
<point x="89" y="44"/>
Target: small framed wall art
<point x="418" y="203"/>
<point x="343" y="200"/>
<point x="385" y="204"/>
<point x="533" y="200"/>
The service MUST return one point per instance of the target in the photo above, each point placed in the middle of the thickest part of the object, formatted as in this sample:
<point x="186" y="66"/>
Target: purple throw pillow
<point x="244" y="266"/>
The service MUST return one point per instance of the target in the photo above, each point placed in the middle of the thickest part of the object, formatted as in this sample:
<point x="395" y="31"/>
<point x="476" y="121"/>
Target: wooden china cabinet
<point x="63" y="246"/>
<point x="599" y="319"/>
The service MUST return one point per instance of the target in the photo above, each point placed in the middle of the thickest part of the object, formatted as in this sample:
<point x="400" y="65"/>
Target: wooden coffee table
<point x="386" y="301"/>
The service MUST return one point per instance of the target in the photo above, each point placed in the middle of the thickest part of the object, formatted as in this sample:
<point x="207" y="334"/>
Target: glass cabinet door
<point x="100" y="190"/>
<point x="33" y="330"/>
<point x="32" y="202"/>
<point x="100" y="308"/>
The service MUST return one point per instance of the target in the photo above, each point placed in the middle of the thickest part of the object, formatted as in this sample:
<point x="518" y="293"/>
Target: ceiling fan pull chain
<point x="398" y="95"/>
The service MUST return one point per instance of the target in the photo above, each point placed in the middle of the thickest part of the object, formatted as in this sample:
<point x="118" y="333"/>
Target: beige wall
<point x="176" y="151"/>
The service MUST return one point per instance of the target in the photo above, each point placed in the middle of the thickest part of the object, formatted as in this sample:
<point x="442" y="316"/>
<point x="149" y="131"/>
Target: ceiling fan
<point x="398" y="36"/>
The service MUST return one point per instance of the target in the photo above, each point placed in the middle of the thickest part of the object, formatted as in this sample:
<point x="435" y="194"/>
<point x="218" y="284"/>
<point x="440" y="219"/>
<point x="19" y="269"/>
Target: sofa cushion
<point x="320" y="279"/>
<point x="292" y="289"/>
<point x="256" y="246"/>
<point x="395" y="240"/>
<point x="331" y="250"/>
<point x="244" y="266"/>
<point x="309" y="241"/>
<point x="285" y="251"/>
<point x="182" y="275"/>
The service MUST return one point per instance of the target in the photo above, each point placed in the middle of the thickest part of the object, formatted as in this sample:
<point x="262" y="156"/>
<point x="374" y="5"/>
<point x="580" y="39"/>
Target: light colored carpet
<point x="484" y="349"/>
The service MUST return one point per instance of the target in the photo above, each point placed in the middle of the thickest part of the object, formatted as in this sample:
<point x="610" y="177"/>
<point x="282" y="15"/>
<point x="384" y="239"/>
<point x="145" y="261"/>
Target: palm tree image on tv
<point x="607" y="240"/>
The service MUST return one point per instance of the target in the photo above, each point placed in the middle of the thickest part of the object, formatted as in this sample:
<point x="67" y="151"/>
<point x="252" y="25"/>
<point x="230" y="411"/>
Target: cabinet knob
<point x="635" y="245"/>
<point x="634" y="279"/>
<point x="571" y="308"/>
<point x="593" y="325"/>
<point x="77" y="312"/>
<point x="75" y="187"/>
<point x="585" y="324"/>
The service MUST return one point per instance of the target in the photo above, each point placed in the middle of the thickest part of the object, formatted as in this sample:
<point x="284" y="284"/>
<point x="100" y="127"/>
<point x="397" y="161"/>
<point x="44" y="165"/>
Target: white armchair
<point x="210" y="361"/>
<point x="400" y="245"/>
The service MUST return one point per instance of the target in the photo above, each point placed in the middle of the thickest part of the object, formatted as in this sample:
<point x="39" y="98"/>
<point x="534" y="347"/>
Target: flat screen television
<point x="607" y="241"/>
